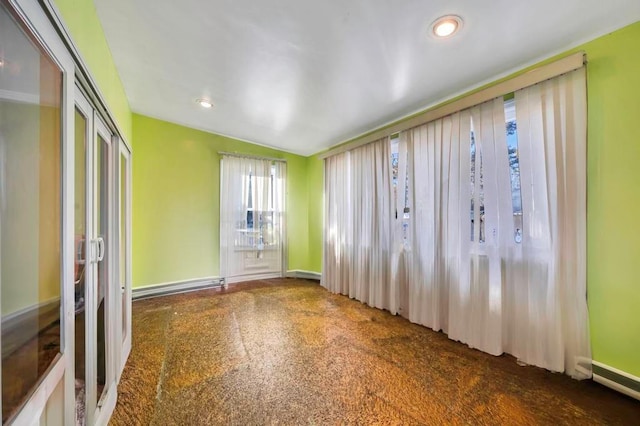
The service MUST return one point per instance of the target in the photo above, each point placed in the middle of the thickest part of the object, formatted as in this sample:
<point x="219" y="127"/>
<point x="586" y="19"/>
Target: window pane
<point x="473" y="181"/>
<point x="394" y="172"/>
<point x="30" y="211"/>
<point x="514" y="167"/>
<point x="476" y="165"/>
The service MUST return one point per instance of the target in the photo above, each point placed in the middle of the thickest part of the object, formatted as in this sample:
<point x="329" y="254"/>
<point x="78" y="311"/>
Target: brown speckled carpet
<point x="289" y="352"/>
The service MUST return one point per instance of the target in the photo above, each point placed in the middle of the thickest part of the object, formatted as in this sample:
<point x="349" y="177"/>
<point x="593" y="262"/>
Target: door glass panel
<point x="103" y="265"/>
<point x="80" y="255"/>
<point x="30" y="211"/>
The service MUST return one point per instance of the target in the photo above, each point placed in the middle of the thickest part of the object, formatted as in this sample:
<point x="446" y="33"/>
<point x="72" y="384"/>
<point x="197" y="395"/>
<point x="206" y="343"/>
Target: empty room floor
<point x="288" y="352"/>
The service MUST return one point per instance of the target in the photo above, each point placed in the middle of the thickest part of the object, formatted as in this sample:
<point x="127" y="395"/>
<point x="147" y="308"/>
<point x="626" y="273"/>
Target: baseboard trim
<point x="615" y="379"/>
<point x="307" y="275"/>
<point x="253" y="277"/>
<point x="174" y="287"/>
<point x="164" y="289"/>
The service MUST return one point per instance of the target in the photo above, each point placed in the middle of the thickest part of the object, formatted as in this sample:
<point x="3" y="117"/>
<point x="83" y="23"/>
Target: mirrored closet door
<point x="36" y="79"/>
<point x="97" y="295"/>
<point x="65" y="230"/>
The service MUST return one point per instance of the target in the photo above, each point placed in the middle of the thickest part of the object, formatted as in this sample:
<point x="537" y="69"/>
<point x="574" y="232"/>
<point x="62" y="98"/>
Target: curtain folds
<point x="358" y="224"/>
<point x="452" y="252"/>
<point x="547" y="323"/>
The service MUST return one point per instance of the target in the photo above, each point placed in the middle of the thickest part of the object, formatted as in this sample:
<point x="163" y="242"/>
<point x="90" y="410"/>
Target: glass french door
<point x="95" y="287"/>
<point x="252" y="218"/>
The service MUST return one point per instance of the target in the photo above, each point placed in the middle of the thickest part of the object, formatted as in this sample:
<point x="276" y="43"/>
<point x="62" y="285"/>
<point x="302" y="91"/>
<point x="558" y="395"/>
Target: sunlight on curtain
<point x="358" y="220"/>
<point x="487" y="242"/>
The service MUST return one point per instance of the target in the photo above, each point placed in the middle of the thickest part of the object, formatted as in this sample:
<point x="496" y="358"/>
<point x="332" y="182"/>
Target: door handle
<point x="98" y="243"/>
<point x="101" y="249"/>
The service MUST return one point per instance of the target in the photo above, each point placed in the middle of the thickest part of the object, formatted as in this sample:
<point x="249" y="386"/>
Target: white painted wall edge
<point x="603" y="369"/>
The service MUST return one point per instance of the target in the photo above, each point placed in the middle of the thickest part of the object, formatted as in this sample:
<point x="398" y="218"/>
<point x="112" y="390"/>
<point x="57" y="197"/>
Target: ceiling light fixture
<point x="446" y="26"/>
<point x="204" y="103"/>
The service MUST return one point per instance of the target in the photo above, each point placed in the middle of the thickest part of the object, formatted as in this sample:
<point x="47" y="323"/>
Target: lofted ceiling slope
<point x="302" y="76"/>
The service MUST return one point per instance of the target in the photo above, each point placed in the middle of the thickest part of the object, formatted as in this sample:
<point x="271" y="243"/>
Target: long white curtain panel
<point x="474" y="225"/>
<point x="358" y="220"/>
<point x="546" y="320"/>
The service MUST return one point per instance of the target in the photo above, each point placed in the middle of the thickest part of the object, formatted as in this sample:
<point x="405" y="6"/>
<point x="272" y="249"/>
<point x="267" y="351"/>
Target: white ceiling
<point x="304" y="75"/>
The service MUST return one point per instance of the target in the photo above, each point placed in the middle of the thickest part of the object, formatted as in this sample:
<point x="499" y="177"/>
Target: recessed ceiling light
<point x="446" y="26"/>
<point x="1" y="62"/>
<point x="204" y="103"/>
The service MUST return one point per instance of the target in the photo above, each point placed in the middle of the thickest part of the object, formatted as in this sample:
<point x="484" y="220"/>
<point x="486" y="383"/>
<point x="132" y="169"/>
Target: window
<point x="514" y="167"/>
<point x="258" y="231"/>
<point x="394" y="170"/>
<point x="401" y="206"/>
<point x="476" y="160"/>
<point x="511" y="130"/>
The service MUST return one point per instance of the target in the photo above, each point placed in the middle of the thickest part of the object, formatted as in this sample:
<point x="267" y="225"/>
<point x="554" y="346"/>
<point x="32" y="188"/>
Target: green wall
<point x="613" y="191"/>
<point x="176" y="199"/>
<point x="81" y="19"/>
<point x="613" y="194"/>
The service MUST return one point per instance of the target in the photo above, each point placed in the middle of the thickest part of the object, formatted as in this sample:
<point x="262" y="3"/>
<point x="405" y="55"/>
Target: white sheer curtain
<point x="492" y="225"/>
<point x="429" y="162"/>
<point x="358" y="222"/>
<point x="252" y="194"/>
<point x="546" y="322"/>
<point x="462" y="258"/>
<point x="336" y="254"/>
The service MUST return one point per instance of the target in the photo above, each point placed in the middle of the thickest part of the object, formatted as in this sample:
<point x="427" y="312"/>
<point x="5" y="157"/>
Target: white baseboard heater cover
<point x="176" y="287"/>
<point x="613" y="378"/>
